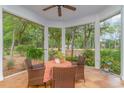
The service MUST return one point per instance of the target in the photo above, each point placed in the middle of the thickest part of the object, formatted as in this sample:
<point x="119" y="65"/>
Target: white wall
<point x="1" y="45"/>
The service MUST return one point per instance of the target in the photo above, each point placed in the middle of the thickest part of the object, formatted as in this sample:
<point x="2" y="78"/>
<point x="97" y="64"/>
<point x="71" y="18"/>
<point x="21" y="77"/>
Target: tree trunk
<point x="68" y="46"/>
<point x="21" y="31"/>
<point x="87" y="33"/>
<point x="12" y="46"/>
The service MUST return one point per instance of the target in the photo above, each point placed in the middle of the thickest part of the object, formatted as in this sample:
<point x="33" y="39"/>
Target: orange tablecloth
<point x="48" y="67"/>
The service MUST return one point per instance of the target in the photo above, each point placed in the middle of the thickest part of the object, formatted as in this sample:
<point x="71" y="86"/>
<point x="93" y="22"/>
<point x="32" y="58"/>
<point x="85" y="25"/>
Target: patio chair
<point x="80" y="73"/>
<point x="80" y="68"/>
<point x="81" y="60"/>
<point x="63" y="77"/>
<point x="35" y="73"/>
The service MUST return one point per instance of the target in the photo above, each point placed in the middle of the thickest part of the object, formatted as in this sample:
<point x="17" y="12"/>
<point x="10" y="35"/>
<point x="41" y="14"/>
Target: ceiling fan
<point x="59" y="8"/>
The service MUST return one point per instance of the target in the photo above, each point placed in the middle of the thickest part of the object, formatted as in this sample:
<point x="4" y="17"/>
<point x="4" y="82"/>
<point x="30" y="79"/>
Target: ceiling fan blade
<point x="59" y="11"/>
<point x="69" y="7"/>
<point x="49" y="7"/>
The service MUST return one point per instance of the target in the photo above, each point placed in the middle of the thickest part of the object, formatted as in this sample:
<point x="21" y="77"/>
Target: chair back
<point x="81" y="60"/>
<point x="63" y="77"/>
<point x="28" y="63"/>
<point x="35" y="73"/>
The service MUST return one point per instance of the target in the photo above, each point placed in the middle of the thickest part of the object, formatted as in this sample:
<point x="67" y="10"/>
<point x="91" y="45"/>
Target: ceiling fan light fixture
<point x="59" y="8"/>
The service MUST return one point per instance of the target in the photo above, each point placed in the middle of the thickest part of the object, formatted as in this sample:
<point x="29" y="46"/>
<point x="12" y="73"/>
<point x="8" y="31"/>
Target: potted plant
<point x="106" y="66"/>
<point x="59" y="57"/>
<point x="52" y="54"/>
<point x="35" y="53"/>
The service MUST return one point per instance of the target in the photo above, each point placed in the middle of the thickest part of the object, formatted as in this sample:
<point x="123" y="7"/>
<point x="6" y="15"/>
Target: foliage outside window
<point x="19" y="35"/>
<point x="54" y="40"/>
<point x="80" y="39"/>
<point x="110" y="43"/>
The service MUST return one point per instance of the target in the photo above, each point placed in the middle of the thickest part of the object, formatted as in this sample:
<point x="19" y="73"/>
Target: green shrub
<point x="21" y="49"/>
<point x="35" y="53"/>
<point x="7" y="52"/>
<point x="89" y="54"/>
<point x="10" y="64"/>
<point x="90" y="57"/>
<point x="111" y="55"/>
<point x="72" y="59"/>
<point x="107" y="55"/>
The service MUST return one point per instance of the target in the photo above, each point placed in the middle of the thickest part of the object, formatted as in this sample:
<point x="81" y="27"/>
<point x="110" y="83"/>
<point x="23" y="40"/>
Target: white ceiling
<point x="81" y="11"/>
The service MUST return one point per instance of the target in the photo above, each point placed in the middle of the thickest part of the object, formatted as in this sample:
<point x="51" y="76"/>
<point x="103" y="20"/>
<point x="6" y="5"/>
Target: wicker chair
<point x="80" y="73"/>
<point x="63" y="77"/>
<point x="81" y="60"/>
<point x="80" y="68"/>
<point x="35" y="73"/>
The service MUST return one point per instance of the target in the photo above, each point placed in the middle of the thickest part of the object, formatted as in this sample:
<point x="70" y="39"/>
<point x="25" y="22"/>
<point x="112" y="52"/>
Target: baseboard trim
<point x="14" y="74"/>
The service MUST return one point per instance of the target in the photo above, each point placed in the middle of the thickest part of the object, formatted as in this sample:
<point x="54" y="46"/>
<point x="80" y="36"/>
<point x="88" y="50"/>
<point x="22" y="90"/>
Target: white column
<point x="97" y="44"/>
<point x="1" y="45"/>
<point x="63" y="40"/>
<point x="46" y="44"/>
<point x="122" y="43"/>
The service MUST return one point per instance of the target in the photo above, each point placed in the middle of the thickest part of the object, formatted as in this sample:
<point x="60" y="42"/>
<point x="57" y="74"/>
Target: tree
<point x="18" y="31"/>
<point x="81" y="36"/>
<point x="88" y="29"/>
<point x="55" y="38"/>
<point x="110" y="34"/>
<point x="68" y="37"/>
<point x="71" y="35"/>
